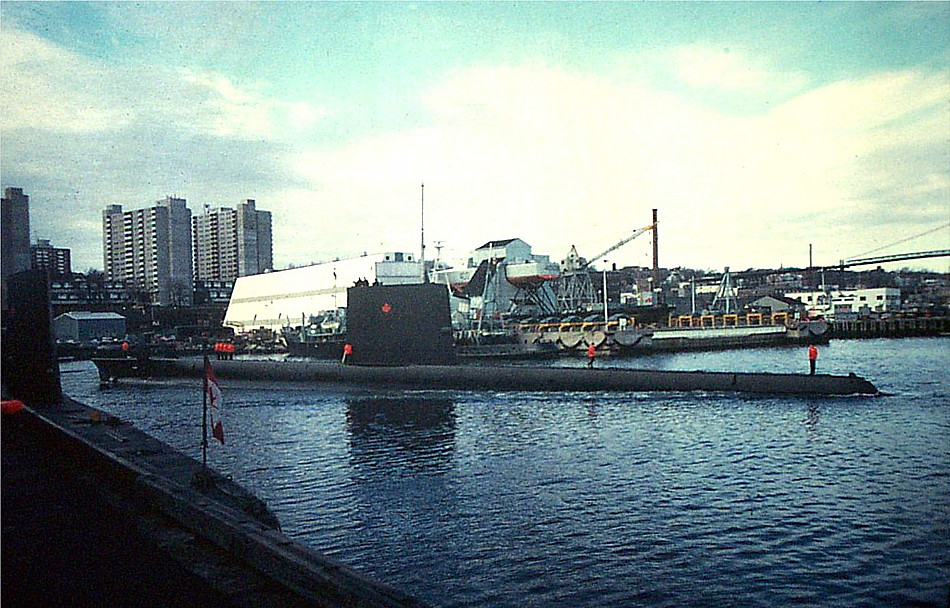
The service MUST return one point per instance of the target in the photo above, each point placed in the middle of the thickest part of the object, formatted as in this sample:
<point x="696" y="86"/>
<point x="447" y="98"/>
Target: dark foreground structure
<point x="66" y="544"/>
<point x="896" y="327"/>
<point x="97" y="513"/>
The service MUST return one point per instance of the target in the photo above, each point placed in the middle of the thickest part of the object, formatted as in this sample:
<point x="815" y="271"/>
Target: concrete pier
<point x="97" y="513"/>
<point x="66" y="544"/>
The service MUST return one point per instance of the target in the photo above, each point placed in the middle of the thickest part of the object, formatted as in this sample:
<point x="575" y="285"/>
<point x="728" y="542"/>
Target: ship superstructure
<point x="503" y="279"/>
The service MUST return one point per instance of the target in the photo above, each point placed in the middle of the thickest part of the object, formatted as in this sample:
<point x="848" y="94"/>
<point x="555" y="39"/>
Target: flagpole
<point x="204" y="418"/>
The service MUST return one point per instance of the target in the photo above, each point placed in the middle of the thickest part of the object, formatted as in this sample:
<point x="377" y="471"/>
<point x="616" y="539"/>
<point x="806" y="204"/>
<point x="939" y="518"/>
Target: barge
<point x="706" y="332"/>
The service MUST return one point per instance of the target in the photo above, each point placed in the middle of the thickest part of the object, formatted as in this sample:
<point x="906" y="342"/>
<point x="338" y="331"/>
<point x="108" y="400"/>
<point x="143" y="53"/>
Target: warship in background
<point x="322" y="336"/>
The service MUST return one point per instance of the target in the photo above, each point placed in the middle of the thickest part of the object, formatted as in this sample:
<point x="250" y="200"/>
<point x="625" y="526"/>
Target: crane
<point x="575" y="291"/>
<point x="622" y="242"/>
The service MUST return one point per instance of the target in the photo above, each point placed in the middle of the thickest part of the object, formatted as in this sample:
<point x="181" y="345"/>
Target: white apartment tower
<point x="232" y="243"/>
<point x="150" y="249"/>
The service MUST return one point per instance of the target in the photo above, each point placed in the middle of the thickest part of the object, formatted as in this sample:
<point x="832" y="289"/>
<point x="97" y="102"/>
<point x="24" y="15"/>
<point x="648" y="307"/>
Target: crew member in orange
<point x="347" y="350"/>
<point x="812" y="358"/>
<point x="591" y="353"/>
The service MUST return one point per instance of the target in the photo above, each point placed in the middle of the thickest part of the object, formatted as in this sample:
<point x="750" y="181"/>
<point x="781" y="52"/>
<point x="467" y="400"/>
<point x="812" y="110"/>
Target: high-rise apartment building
<point x="255" y="243"/>
<point x="150" y="249"/>
<point x="16" y="231"/>
<point x="232" y="243"/>
<point x="15" y="238"/>
<point x="55" y="259"/>
<point x="214" y="241"/>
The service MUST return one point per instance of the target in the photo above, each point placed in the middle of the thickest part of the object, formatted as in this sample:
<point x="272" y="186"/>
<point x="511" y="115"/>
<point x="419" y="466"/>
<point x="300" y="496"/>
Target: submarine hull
<point x="494" y="377"/>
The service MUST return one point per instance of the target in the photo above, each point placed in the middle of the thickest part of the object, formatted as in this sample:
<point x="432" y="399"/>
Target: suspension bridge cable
<point x="910" y="238"/>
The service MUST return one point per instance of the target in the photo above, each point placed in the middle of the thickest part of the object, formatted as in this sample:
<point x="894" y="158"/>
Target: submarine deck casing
<point x="494" y="377"/>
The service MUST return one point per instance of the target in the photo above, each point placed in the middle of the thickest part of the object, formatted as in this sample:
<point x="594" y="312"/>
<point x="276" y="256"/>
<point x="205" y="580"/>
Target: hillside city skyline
<point x="904" y="245"/>
<point x="163" y="256"/>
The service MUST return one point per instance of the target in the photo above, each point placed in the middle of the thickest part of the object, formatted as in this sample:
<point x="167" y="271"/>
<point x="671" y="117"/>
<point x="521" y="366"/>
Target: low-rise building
<point x="830" y="303"/>
<point x="774" y="303"/>
<point x="213" y="292"/>
<point x="83" y="327"/>
<point x="784" y="281"/>
<point x="80" y="292"/>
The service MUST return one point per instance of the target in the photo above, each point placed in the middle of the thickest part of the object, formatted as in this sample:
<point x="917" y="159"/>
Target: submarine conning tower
<point x="399" y="325"/>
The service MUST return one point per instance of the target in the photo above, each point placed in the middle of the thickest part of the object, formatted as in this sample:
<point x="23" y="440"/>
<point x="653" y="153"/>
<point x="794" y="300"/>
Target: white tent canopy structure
<point x="276" y="299"/>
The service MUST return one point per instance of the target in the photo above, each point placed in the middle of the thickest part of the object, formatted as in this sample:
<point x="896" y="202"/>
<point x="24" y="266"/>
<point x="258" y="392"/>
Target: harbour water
<point x="466" y="498"/>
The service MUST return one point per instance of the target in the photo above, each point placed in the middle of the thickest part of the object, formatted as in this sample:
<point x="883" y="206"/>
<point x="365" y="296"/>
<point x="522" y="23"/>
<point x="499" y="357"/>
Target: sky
<point x="755" y="129"/>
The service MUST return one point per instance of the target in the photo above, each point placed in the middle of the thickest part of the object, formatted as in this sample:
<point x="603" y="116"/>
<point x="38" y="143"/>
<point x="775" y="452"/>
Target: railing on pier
<point x="612" y="325"/>
<point x="730" y="320"/>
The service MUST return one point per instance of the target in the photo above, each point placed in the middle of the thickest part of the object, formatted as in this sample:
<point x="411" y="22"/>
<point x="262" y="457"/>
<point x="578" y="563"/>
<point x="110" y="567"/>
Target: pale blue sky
<point x="755" y="128"/>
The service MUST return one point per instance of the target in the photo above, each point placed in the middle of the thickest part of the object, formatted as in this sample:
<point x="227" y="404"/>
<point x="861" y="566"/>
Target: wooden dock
<point x="894" y="327"/>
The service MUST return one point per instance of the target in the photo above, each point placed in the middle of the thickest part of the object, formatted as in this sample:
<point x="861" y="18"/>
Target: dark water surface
<point x="469" y="498"/>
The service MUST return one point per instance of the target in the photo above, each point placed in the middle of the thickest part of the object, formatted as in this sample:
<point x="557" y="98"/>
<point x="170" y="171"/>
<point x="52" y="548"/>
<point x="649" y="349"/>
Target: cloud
<point x="51" y="89"/>
<point x="57" y="91"/>
<point x="556" y="156"/>
<point x="79" y="133"/>
<point x="560" y="157"/>
<point x="228" y="111"/>
<point x="728" y="69"/>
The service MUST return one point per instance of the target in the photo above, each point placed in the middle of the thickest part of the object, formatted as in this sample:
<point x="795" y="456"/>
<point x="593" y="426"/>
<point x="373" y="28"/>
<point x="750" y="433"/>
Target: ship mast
<point x="422" y="234"/>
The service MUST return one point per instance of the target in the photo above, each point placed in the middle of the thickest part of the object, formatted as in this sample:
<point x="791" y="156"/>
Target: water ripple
<point x="535" y="499"/>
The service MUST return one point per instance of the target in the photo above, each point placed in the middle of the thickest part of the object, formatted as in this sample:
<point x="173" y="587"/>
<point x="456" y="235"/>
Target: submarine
<point x="401" y="337"/>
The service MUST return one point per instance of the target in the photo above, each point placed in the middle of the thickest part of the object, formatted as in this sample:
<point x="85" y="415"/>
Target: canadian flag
<point x="214" y="402"/>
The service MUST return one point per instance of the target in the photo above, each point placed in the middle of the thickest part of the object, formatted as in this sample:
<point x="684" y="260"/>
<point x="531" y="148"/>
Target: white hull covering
<point x="531" y="273"/>
<point x="275" y="299"/>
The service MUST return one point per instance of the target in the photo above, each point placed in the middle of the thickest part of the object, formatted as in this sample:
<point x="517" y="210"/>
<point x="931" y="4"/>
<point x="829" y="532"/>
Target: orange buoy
<point x="12" y="406"/>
